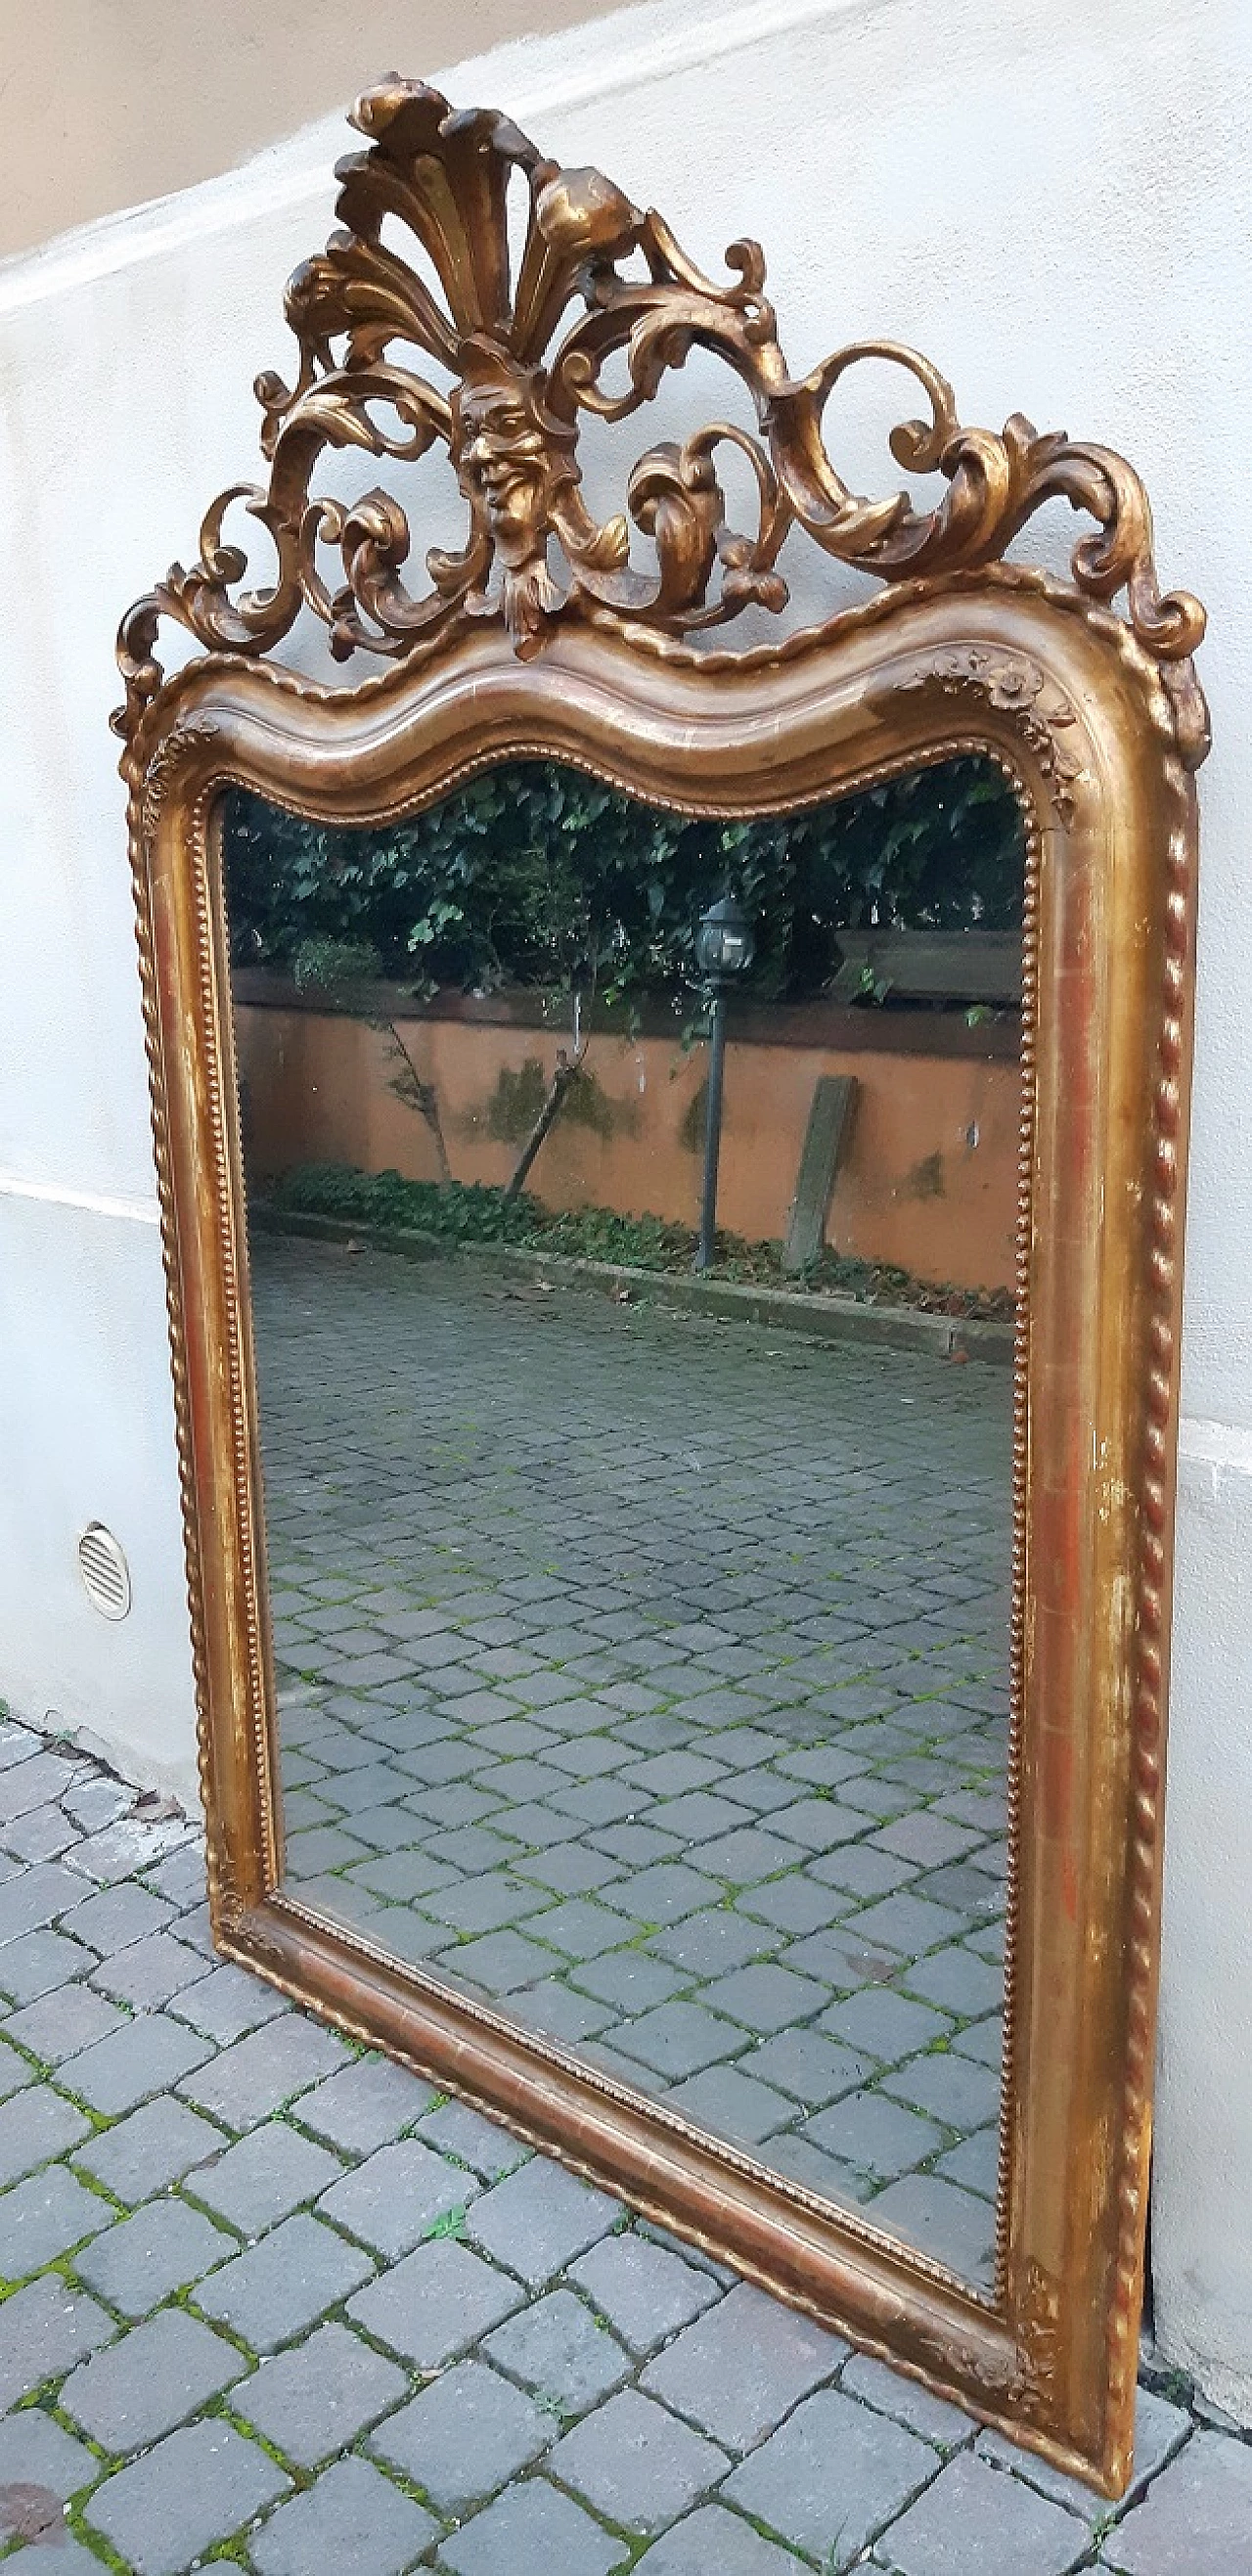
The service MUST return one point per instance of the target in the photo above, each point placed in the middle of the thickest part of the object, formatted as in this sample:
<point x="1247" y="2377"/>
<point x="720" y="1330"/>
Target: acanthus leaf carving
<point x="525" y="375"/>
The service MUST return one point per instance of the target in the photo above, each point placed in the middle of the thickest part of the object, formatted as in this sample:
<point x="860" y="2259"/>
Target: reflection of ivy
<point x="463" y="1213"/>
<point x="535" y="874"/>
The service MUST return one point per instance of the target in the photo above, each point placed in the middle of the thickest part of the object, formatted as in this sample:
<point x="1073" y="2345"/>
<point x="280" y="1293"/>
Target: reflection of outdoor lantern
<point x="724" y="942"/>
<point x="724" y="947"/>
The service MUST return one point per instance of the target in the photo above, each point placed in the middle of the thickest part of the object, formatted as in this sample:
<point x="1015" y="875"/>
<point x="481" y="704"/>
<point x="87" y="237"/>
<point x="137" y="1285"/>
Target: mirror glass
<point x="640" y="1590"/>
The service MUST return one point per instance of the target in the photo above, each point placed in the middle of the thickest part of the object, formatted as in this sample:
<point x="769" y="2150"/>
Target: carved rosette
<point x="1040" y="714"/>
<point x="527" y="354"/>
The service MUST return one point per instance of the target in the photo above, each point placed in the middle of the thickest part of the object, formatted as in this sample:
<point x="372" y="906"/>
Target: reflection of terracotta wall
<point x="928" y="1179"/>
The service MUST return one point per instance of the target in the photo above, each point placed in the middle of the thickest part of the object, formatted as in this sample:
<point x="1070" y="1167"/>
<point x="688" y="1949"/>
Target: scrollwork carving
<point x="524" y="373"/>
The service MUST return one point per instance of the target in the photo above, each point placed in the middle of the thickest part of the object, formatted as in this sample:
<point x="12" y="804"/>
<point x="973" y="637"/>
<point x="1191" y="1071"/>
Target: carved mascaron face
<point x="505" y="463"/>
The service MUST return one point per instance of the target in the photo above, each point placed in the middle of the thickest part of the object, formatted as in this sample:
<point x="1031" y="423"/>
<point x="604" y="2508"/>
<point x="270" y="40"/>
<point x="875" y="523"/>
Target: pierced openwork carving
<point x="524" y="375"/>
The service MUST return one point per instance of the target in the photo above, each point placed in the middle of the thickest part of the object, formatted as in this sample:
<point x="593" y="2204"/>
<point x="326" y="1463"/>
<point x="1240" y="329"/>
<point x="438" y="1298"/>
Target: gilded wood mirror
<point x="698" y="1696"/>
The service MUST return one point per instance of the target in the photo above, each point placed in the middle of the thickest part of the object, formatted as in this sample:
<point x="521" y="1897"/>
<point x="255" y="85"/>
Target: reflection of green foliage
<point x="334" y="966"/>
<point x="468" y="1212"/>
<point x="534" y="874"/>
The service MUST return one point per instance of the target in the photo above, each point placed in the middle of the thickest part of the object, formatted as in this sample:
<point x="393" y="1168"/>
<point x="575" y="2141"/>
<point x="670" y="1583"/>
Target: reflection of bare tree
<point x="408" y="1086"/>
<point x="568" y="1071"/>
<point x="578" y="931"/>
<point x="348" y="972"/>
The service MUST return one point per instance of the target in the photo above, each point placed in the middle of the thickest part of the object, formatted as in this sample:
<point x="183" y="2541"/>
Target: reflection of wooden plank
<point x="931" y="965"/>
<point x="827" y="1127"/>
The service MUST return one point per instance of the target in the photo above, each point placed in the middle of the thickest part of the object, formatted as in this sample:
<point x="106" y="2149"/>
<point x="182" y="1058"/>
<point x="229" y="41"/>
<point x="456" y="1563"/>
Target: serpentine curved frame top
<point x="524" y="374"/>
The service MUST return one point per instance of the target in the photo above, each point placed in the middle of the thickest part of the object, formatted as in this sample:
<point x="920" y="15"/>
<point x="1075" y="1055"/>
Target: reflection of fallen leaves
<point x="872" y="1966"/>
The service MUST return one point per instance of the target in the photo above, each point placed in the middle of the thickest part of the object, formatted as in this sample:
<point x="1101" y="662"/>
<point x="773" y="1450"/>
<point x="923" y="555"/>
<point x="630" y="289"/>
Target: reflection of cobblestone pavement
<point x="648" y="1674"/>
<point x="266" y="2298"/>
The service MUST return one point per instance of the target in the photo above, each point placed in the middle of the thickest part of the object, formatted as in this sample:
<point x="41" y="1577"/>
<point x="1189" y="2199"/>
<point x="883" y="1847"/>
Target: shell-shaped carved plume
<point x="420" y="268"/>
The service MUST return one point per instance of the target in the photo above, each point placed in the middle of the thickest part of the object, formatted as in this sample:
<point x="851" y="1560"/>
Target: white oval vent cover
<point x="105" y="1572"/>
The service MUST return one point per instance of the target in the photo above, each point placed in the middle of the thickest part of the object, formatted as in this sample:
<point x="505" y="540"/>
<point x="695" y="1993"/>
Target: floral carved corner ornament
<point x="526" y="354"/>
<point x="1017" y="688"/>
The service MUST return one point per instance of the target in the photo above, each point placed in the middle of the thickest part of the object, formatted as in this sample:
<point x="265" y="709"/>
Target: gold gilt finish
<point x="543" y="638"/>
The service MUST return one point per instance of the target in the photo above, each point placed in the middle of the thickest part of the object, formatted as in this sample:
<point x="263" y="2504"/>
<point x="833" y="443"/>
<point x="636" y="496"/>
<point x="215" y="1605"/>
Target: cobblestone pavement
<point x="647" y="1673"/>
<point x="269" y="2299"/>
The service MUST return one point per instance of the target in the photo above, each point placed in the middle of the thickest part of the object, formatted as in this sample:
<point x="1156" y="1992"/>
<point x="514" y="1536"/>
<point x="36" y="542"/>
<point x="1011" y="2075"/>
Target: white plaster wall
<point x="1055" y="205"/>
<point x="1202" y="2198"/>
<point x="149" y="97"/>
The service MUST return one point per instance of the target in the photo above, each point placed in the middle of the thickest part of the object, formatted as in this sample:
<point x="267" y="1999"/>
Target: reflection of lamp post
<point x="724" y="946"/>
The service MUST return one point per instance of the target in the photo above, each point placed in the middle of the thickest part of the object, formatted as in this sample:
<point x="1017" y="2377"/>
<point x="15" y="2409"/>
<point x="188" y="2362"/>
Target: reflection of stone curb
<point x="822" y="1318"/>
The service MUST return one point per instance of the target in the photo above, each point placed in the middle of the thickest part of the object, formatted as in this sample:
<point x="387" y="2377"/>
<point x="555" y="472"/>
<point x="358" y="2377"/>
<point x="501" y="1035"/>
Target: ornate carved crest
<point x="527" y="355"/>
